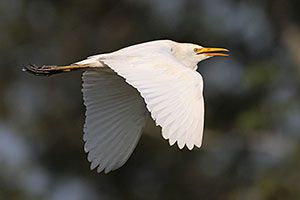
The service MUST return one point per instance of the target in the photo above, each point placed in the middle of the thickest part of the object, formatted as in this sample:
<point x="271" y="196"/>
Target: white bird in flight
<point x="122" y="89"/>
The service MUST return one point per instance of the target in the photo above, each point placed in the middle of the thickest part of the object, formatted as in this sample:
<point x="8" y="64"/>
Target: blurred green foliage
<point x="251" y="146"/>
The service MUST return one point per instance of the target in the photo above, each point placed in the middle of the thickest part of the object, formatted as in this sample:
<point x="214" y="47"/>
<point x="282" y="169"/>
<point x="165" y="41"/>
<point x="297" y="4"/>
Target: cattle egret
<point x="122" y="89"/>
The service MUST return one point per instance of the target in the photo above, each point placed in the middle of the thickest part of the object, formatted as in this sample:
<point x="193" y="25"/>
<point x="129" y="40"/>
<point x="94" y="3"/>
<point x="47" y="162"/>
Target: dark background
<point x="251" y="147"/>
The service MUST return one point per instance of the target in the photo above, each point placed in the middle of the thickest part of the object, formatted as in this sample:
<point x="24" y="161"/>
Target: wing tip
<point x="181" y="145"/>
<point x="100" y="168"/>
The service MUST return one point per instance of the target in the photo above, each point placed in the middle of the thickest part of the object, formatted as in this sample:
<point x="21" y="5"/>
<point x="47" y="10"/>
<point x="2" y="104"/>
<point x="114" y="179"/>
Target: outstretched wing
<point x="172" y="92"/>
<point x="115" y="117"/>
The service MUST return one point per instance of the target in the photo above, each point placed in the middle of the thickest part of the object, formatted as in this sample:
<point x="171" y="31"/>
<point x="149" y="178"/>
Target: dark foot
<point x="41" y="70"/>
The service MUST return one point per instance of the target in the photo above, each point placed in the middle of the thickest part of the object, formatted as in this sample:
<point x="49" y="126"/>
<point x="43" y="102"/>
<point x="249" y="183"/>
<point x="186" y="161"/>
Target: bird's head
<point x="191" y="54"/>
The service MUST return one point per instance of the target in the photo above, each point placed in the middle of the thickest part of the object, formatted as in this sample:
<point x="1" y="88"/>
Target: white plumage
<point x="122" y="89"/>
<point x="160" y="76"/>
<point x="115" y="117"/>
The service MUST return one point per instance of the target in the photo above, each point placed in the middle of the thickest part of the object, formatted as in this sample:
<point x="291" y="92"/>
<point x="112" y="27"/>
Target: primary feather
<point x="115" y="117"/>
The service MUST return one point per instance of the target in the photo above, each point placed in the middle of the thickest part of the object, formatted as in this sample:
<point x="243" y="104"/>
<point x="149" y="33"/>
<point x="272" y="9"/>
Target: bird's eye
<point x="195" y="50"/>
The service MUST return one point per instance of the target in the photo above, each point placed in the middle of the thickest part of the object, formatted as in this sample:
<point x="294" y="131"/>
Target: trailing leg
<point x="48" y="70"/>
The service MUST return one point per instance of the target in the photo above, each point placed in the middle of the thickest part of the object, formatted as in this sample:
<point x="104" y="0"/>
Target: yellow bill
<point x="212" y="51"/>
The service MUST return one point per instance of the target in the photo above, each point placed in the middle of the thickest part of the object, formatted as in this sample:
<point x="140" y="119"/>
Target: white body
<point x="156" y="79"/>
